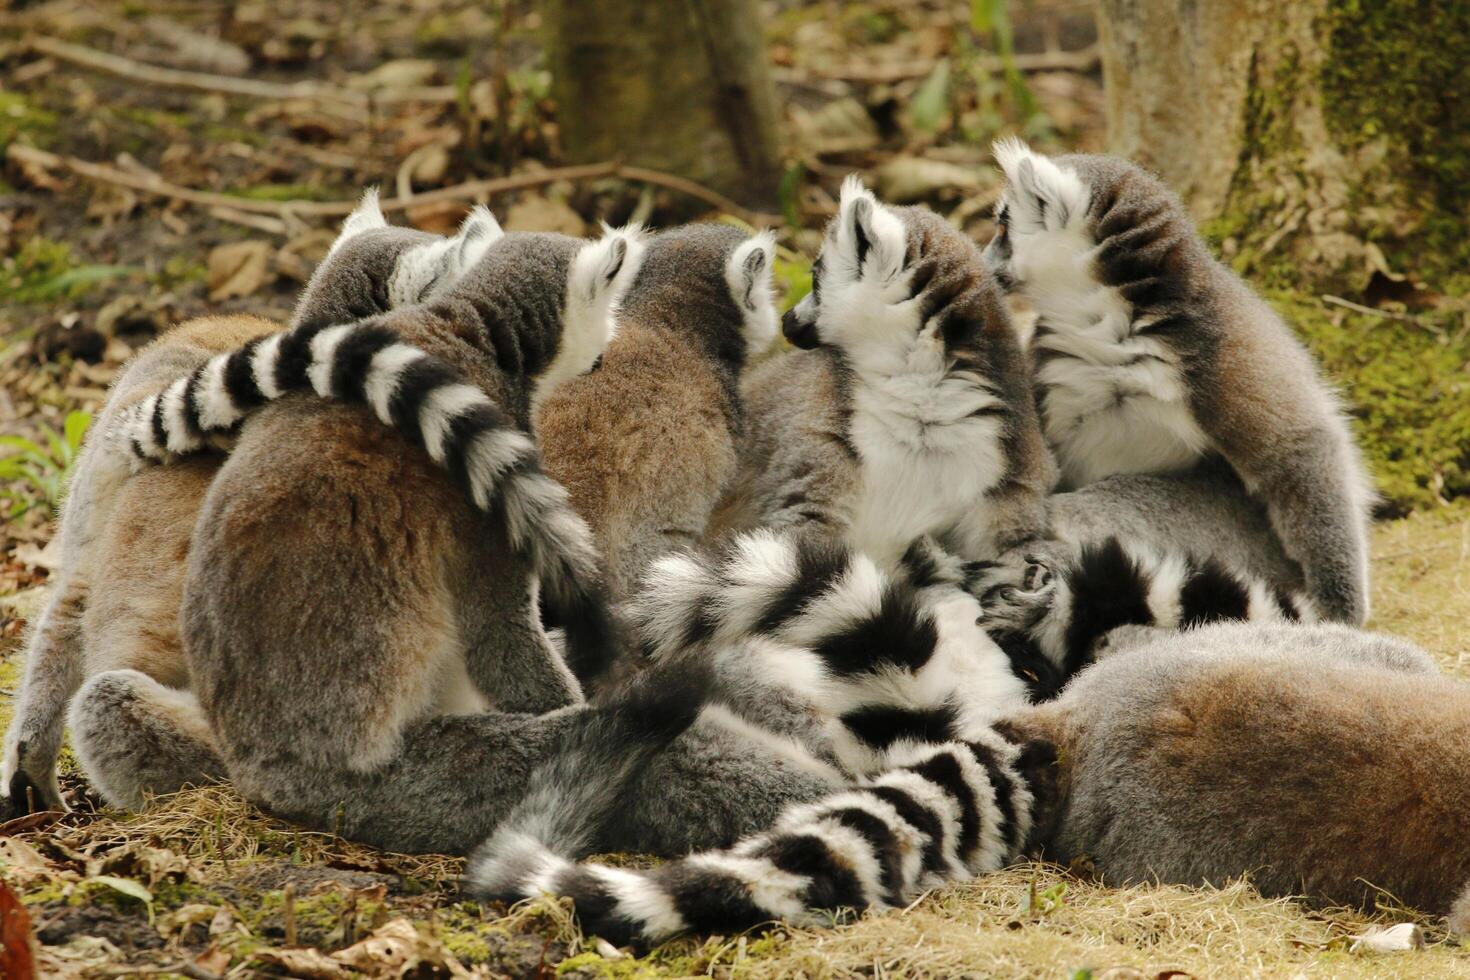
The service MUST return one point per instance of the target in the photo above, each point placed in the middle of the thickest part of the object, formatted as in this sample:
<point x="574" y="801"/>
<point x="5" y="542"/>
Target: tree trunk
<point x="1310" y="136"/>
<point x="677" y="85"/>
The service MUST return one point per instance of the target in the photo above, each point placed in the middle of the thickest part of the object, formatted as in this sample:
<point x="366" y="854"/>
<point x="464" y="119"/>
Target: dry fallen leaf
<point x="395" y="949"/>
<point x="309" y="964"/>
<point x="22" y="861"/>
<point x="17" y="942"/>
<point x="238" y="269"/>
<point x="536" y="212"/>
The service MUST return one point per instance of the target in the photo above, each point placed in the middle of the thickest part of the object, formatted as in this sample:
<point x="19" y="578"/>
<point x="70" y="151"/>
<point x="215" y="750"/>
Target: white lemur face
<point x="600" y="274"/>
<point x="861" y="280"/>
<point x="1042" y="240"/>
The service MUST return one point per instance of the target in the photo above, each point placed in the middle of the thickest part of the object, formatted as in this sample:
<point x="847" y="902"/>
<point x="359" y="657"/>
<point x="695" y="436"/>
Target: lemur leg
<point x="138" y="738"/>
<point x="53" y="672"/>
<point x="510" y="659"/>
<point x="1322" y="529"/>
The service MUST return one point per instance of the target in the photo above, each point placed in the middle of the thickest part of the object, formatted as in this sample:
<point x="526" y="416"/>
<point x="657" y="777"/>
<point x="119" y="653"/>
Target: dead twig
<point x="137" y="71"/>
<point x="1348" y="304"/>
<point x="1079" y="61"/>
<point x="150" y="183"/>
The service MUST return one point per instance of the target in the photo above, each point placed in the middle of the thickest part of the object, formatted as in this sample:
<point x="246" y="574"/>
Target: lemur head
<point x="883" y="275"/>
<point x="1077" y="220"/>
<point x="1041" y="220"/>
<point x="713" y="281"/>
<point x="374" y="267"/>
<point x="549" y="301"/>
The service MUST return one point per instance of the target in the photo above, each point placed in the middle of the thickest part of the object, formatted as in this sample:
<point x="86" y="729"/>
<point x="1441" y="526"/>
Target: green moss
<point x="181" y="270"/>
<point x="45" y="270"/>
<point x="1398" y="75"/>
<point x="11" y="669"/>
<point x="461" y="930"/>
<point x="19" y="117"/>
<point x="286" y="192"/>
<point x="1409" y="388"/>
<point x="52" y="891"/>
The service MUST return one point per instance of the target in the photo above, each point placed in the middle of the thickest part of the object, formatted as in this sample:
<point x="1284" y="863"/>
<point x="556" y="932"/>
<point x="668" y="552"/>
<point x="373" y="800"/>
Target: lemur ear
<point x="748" y="273"/>
<point x="611" y="261"/>
<point x="476" y="234"/>
<point x="1044" y="196"/>
<point x="367" y="215"/>
<point x="869" y="236"/>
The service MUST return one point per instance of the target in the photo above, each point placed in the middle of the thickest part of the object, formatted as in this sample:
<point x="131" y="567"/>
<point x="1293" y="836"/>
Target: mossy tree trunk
<point x="1311" y="137"/>
<point x="677" y="85"/>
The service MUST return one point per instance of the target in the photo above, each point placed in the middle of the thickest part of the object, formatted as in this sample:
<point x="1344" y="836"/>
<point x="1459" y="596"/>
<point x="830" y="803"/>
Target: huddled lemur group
<point x="523" y="546"/>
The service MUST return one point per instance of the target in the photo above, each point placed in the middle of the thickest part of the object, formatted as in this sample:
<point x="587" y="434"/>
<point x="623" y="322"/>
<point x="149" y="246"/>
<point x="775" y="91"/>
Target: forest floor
<point x="425" y="95"/>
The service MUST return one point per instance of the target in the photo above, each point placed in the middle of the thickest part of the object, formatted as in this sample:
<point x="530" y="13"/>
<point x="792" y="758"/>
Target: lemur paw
<point x="1018" y="595"/>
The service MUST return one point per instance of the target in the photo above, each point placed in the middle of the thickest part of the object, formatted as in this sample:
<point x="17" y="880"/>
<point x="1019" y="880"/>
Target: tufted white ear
<point x="1043" y="196"/>
<point x="431" y="269"/>
<point x="869" y="238"/>
<point x="748" y="273"/>
<point x="601" y="273"/>
<point x="367" y="215"/>
<point x="476" y="234"/>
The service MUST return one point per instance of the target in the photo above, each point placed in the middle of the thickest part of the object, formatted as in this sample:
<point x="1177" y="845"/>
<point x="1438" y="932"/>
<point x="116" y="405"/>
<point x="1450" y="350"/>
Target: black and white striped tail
<point x="944" y="812"/>
<point x="885" y="657"/>
<point x="424" y="398"/>
<point x="1067" y="608"/>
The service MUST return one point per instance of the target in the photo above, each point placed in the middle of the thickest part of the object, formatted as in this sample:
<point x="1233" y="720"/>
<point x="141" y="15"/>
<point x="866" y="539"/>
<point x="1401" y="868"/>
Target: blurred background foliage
<point x="1327" y="188"/>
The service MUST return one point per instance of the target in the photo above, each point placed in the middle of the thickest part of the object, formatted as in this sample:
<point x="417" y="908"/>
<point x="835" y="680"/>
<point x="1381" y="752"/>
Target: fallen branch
<point x="150" y="183"/>
<point x="1079" y="61"/>
<point x="198" y="81"/>
<point x="1348" y="304"/>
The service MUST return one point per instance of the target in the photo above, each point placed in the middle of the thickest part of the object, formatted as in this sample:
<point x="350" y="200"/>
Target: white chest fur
<point x="929" y="453"/>
<point x="1112" y="398"/>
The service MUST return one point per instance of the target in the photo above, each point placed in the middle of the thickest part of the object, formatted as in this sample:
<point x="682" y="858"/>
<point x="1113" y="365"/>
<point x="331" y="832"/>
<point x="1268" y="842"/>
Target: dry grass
<point x="985" y="928"/>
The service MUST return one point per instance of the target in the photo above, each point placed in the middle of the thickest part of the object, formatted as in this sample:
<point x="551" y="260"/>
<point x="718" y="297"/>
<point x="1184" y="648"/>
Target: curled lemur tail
<point x="569" y="796"/>
<point x="942" y="812"/>
<point x="425" y="399"/>
<point x="881" y="655"/>
<point x="1065" y="608"/>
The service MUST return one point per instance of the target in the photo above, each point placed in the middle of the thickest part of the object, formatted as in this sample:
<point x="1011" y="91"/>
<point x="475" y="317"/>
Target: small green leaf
<point x="788" y="191"/>
<point x="75" y="427"/>
<point x="930" y="102"/>
<point x="125" y="886"/>
<point x="74" y="282"/>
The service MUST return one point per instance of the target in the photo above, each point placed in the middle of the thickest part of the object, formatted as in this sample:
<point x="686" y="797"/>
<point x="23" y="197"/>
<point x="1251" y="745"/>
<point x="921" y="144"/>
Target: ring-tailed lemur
<point x="135" y="527"/>
<point x="342" y="586"/>
<point x="1062" y="609"/>
<point x="1150" y="354"/>
<point x="915" y="416"/>
<point x="1321" y="761"/>
<point x="645" y="444"/>
<point x="537" y="338"/>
